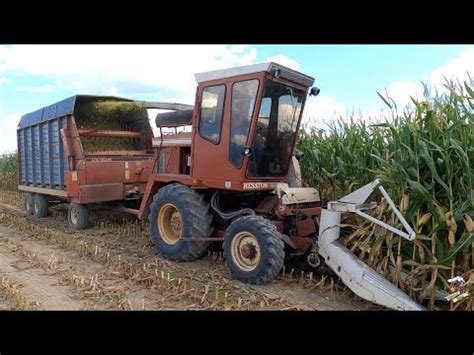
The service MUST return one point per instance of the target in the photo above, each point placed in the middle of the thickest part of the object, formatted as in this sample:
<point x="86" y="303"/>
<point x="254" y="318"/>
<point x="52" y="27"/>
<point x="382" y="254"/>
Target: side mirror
<point x="314" y="91"/>
<point x="247" y="151"/>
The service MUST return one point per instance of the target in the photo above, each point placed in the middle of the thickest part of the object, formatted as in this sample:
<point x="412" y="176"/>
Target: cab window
<point x="212" y="110"/>
<point x="243" y="102"/>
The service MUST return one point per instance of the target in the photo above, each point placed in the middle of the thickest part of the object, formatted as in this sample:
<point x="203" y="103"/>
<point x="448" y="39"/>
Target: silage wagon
<point x="85" y="150"/>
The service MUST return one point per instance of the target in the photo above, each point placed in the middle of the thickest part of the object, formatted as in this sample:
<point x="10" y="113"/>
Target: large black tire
<point x="78" y="217"/>
<point x="29" y="203"/>
<point x="253" y="250"/>
<point x="195" y="221"/>
<point x="40" y="206"/>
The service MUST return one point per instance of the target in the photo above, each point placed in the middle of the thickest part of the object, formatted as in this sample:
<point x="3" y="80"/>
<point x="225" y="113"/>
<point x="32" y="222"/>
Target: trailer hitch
<point x="358" y="276"/>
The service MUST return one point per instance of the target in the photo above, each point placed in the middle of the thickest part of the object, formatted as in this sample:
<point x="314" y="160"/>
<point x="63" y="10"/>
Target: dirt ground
<point x="43" y="265"/>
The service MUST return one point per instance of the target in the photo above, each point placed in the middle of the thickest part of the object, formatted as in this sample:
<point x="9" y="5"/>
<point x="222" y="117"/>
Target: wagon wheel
<point x="78" y="216"/>
<point x="29" y="203"/>
<point x="40" y="206"/>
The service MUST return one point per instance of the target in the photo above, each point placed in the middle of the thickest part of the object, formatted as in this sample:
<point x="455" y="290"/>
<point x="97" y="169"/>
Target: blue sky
<point x="348" y="75"/>
<point x="352" y="74"/>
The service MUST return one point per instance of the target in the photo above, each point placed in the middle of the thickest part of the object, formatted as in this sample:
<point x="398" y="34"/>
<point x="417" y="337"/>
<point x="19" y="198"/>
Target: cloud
<point x="238" y="48"/>
<point x="8" y="127"/>
<point x="166" y="73"/>
<point x="160" y="70"/>
<point x="322" y="110"/>
<point x="112" y="91"/>
<point x="284" y="60"/>
<point x="374" y="116"/>
<point x="457" y="68"/>
<point x="325" y="109"/>
<point x="401" y="91"/>
<point x="40" y="88"/>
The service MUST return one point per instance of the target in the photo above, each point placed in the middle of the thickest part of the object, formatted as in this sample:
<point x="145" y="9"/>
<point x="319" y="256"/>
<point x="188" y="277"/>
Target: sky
<point x="349" y="76"/>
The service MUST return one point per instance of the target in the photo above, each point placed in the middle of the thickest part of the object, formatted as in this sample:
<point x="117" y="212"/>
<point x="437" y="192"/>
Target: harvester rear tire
<point x="29" y="203"/>
<point x="253" y="250"/>
<point x="191" y="213"/>
<point x="78" y="217"/>
<point x="40" y="206"/>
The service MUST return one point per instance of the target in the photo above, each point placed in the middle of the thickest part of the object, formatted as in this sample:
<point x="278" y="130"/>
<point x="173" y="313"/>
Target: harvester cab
<point x="234" y="178"/>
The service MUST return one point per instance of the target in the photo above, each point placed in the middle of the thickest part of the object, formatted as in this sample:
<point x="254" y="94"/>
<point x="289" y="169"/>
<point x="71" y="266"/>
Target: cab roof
<point x="269" y="67"/>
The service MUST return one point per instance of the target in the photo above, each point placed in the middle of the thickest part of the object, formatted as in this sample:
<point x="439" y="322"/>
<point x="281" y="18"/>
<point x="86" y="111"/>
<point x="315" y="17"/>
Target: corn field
<point x="8" y="168"/>
<point x="425" y="158"/>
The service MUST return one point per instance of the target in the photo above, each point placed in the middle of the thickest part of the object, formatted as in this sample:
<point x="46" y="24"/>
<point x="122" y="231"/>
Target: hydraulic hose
<point x="231" y="215"/>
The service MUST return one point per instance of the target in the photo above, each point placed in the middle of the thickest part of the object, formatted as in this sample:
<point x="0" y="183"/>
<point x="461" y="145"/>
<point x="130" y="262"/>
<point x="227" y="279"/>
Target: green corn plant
<point x="425" y="158"/>
<point x="8" y="171"/>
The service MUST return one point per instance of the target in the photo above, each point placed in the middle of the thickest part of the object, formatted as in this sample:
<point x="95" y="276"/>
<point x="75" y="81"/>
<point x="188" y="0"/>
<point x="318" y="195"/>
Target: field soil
<point x="43" y="265"/>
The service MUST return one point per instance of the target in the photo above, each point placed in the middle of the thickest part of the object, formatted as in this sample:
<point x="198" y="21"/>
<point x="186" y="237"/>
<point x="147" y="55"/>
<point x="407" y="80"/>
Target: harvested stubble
<point x="8" y="181"/>
<point x="12" y="197"/>
<point x="85" y="286"/>
<point x="425" y="157"/>
<point x="164" y="277"/>
<point x="12" y="292"/>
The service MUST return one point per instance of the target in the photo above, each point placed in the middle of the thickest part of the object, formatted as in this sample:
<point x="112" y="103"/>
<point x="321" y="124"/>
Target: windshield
<point x="276" y="130"/>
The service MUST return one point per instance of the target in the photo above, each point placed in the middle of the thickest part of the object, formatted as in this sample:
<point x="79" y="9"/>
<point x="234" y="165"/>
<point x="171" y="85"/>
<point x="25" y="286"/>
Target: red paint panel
<point x="72" y="186"/>
<point x="305" y="227"/>
<point x="302" y="244"/>
<point x="104" y="172"/>
<point x="100" y="193"/>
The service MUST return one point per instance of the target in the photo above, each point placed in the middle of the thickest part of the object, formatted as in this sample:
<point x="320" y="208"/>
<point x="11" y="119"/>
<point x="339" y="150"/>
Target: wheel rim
<point x="246" y="251"/>
<point x="28" y="204"/>
<point x="74" y="216"/>
<point x="36" y="207"/>
<point x="170" y="224"/>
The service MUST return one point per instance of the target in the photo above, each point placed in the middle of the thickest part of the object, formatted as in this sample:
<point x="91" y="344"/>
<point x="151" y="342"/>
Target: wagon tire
<point x="253" y="250"/>
<point x="178" y="213"/>
<point x="29" y="203"/>
<point x="40" y="206"/>
<point x="78" y="216"/>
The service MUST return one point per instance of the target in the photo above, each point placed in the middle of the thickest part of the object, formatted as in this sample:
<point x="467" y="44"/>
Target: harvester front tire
<point x="253" y="250"/>
<point x="40" y="206"/>
<point x="29" y="203"/>
<point x="78" y="217"/>
<point x="178" y="213"/>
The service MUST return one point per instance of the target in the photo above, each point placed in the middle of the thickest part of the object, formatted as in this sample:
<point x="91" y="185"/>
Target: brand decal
<point x="255" y="185"/>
